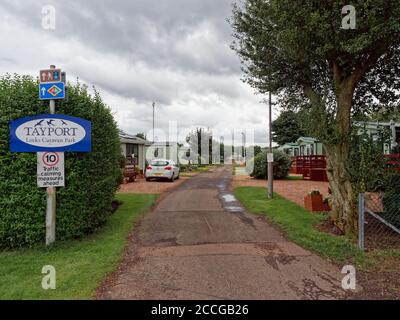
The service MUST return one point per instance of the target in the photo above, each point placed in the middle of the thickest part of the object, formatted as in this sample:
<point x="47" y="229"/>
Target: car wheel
<point x="172" y="178"/>
<point x="147" y="179"/>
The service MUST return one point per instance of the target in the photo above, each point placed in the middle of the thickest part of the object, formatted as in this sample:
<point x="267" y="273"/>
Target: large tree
<point x="298" y="50"/>
<point x="287" y="127"/>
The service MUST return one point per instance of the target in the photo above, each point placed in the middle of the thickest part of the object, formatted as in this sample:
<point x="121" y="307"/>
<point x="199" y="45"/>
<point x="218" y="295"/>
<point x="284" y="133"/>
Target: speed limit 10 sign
<point x="50" y="169"/>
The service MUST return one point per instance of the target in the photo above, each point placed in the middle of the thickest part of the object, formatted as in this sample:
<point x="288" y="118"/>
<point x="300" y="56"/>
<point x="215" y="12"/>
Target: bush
<point x="366" y="164"/>
<point x="391" y="201"/>
<point x="91" y="178"/>
<point x="282" y="165"/>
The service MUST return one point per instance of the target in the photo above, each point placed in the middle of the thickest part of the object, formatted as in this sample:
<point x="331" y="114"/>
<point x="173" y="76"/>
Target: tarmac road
<point x="199" y="243"/>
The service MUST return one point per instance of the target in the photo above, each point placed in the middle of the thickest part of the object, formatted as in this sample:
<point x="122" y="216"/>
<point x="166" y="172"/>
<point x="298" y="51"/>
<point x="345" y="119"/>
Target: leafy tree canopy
<point x="298" y="49"/>
<point x="141" y="135"/>
<point x="287" y="128"/>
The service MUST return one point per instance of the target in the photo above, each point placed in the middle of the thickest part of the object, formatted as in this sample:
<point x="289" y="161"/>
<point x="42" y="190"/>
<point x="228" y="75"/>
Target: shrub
<point x="91" y="178"/>
<point x="281" y="166"/>
<point x="366" y="164"/>
<point x="391" y="201"/>
<point x="396" y="149"/>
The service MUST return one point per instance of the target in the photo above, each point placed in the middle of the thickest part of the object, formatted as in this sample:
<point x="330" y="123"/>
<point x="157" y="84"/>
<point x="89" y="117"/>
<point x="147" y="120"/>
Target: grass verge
<point x="298" y="224"/>
<point x="299" y="227"/>
<point x="80" y="265"/>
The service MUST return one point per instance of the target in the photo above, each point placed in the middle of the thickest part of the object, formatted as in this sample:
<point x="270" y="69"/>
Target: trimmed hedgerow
<point x="91" y="178"/>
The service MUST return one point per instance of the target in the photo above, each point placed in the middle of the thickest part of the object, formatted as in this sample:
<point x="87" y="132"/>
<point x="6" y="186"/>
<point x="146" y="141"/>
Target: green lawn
<point x="199" y="169"/>
<point x="298" y="224"/>
<point x="80" y="265"/>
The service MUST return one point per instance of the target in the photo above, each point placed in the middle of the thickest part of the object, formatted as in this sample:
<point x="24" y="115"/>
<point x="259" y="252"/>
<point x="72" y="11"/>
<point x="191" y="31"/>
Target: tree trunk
<point x="344" y="211"/>
<point x="343" y="206"/>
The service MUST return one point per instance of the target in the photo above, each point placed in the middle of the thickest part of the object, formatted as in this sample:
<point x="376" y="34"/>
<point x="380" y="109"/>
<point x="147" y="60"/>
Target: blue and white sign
<point x="50" y="132"/>
<point x="50" y="91"/>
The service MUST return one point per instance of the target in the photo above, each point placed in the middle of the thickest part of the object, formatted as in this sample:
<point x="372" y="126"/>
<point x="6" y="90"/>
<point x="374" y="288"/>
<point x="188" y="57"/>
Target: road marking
<point x="229" y="198"/>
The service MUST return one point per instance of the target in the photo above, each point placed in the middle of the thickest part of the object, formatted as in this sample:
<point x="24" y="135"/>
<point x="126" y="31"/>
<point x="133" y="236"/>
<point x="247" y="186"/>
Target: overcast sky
<point x="173" y="52"/>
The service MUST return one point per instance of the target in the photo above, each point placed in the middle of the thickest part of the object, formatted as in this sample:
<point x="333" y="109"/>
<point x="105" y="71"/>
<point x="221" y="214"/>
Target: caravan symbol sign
<point x="50" y="132"/>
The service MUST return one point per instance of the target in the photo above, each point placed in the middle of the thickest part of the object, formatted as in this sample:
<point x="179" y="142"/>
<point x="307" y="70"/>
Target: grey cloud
<point x="174" y="52"/>
<point x="144" y="30"/>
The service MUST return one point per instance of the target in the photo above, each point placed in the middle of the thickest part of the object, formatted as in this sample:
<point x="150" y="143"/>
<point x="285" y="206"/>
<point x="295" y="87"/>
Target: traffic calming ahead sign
<point x="50" y="169"/>
<point x="50" y="132"/>
<point x="49" y="91"/>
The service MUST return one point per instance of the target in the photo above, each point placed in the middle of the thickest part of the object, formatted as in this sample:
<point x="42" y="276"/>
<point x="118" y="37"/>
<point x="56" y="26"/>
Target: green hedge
<point x="281" y="166"/>
<point x="91" y="178"/>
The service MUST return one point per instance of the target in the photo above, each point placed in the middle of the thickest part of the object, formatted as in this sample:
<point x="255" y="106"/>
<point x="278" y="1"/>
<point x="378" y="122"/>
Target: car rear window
<point x="159" y="163"/>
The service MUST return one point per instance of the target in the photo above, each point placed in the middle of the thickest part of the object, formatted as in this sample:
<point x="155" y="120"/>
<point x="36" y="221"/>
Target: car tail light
<point x="168" y="168"/>
<point x="149" y="168"/>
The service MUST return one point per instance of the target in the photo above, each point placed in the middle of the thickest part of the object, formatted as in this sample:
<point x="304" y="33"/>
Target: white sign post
<point x="50" y="169"/>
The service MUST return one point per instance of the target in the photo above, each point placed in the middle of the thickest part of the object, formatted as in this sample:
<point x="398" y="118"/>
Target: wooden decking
<point x="311" y="167"/>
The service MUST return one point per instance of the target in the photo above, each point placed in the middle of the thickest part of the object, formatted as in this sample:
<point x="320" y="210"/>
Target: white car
<point x="162" y="169"/>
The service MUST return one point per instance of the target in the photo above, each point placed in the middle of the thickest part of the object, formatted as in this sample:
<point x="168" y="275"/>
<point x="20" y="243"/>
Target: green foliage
<point x="199" y="141"/>
<point x="281" y="166"/>
<point x="296" y="47"/>
<point x="257" y="150"/>
<point x="396" y="149"/>
<point x="366" y="164"/>
<point x="91" y="178"/>
<point x="187" y="167"/>
<point x="391" y="201"/>
<point x="287" y="128"/>
<point x="141" y="135"/>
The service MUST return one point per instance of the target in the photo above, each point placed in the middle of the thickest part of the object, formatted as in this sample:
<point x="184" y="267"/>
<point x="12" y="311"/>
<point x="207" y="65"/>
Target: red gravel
<point x="150" y="187"/>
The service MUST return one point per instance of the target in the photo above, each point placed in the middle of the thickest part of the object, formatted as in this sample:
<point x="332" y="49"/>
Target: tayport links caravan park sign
<point x="50" y="135"/>
<point x="50" y="132"/>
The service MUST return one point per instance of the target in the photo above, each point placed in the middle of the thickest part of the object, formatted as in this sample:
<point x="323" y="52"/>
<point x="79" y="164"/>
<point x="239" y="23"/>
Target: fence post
<point x="361" y="220"/>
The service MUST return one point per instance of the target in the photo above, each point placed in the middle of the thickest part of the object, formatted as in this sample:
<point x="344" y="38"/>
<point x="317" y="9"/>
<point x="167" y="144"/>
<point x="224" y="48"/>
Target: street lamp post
<point x="154" y="104"/>
<point x="244" y="153"/>
<point x="270" y="163"/>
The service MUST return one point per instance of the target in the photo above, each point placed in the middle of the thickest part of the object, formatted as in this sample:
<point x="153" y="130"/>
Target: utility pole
<point x="154" y="104"/>
<point x="244" y="153"/>
<point x="269" y="160"/>
<point x="51" y="196"/>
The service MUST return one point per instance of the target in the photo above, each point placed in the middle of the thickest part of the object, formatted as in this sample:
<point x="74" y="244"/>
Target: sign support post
<point x="51" y="196"/>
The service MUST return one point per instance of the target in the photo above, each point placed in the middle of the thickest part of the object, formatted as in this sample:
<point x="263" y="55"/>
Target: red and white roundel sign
<point x="51" y="159"/>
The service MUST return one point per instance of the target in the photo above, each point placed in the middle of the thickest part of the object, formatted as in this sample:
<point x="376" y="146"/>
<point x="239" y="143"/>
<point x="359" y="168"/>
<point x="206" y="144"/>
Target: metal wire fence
<point x="379" y="221"/>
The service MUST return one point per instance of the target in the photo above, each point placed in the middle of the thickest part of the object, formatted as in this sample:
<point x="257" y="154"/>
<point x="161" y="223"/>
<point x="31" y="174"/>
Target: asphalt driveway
<point x="199" y="243"/>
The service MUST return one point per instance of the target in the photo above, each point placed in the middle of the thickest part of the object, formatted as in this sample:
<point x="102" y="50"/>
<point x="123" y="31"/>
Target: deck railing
<point x="393" y="161"/>
<point x="311" y="167"/>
